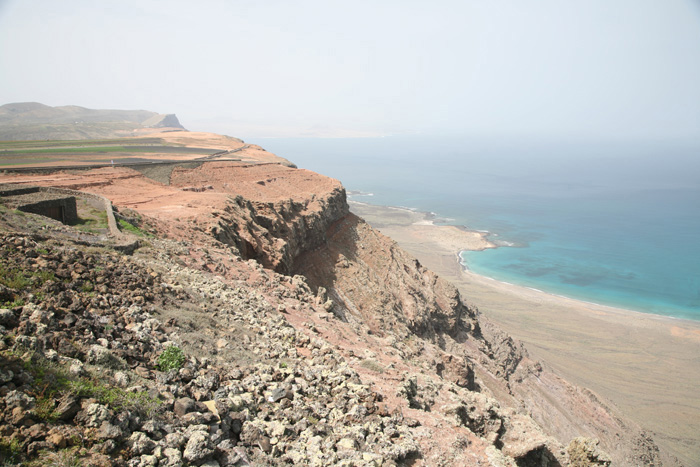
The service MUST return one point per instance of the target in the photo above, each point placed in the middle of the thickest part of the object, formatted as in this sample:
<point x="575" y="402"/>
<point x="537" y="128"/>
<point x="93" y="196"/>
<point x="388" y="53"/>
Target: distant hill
<point x="34" y="121"/>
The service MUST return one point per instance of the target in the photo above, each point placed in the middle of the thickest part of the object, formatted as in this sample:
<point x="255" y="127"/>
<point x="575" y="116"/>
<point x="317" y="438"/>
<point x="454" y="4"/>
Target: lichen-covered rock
<point x="198" y="448"/>
<point x="109" y="431"/>
<point x="584" y="452"/>
<point x="99" y="355"/>
<point x="171" y="458"/>
<point x="8" y="319"/>
<point x="481" y="414"/>
<point x="523" y="440"/>
<point x="93" y="415"/>
<point x="15" y="399"/>
<point x="139" y="443"/>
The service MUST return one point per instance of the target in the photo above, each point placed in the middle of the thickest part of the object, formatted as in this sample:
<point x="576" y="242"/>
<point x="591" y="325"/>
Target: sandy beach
<point x="647" y="365"/>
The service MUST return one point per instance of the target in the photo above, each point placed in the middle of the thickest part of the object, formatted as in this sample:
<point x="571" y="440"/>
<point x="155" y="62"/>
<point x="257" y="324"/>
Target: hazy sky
<point x="621" y="69"/>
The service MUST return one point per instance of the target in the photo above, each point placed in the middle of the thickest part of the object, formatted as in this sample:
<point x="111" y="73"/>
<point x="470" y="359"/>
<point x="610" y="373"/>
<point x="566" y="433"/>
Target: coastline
<point x="646" y="364"/>
<point x="413" y="227"/>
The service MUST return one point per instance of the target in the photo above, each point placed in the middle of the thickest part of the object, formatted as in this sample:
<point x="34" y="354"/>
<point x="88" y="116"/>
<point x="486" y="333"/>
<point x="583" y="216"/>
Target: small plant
<point x="87" y="287"/>
<point x="52" y="382"/>
<point x="46" y="409"/>
<point x="115" y="398"/>
<point x="128" y="227"/>
<point x="372" y="365"/>
<point x="14" y="303"/>
<point x="45" y="276"/>
<point x="13" y="278"/>
<point x="10" y="450"/>
<point x="17" y="279"/>
<point x="48" y="377"/>
<point x="171" y="358"/>
<point x="63" y="458"/>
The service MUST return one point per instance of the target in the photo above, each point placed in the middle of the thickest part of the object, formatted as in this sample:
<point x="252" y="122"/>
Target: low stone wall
<point x="37" y="200"/>
<point x="106" y="204"/>
<point x="62" y="209"/>
<point x="61" y="204"/>
<point x="12" y="190"/>
<point x="34" y="199"/>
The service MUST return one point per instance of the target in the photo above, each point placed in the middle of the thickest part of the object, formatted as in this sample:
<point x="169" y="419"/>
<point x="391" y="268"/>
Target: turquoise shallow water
<point x="611" y="224"/>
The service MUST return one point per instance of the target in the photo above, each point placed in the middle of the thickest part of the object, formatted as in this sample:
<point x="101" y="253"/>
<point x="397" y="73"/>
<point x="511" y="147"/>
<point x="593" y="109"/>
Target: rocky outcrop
<point x="274" y="214"/>
<point x="276" y="233"/>
<point x="373" y="282"/>
<point x="585" y="452"/>
<point x="162" y="121"/>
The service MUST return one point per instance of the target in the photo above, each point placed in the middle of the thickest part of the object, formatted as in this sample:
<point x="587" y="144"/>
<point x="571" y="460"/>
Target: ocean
<point x="610" y="223"/>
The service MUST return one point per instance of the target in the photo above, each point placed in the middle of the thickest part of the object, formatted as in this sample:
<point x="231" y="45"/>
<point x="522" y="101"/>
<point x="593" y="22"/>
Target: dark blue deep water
<point x="617" y="224"/>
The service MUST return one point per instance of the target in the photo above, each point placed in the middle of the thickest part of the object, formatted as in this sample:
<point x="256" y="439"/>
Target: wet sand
<point x="647" y="365"/>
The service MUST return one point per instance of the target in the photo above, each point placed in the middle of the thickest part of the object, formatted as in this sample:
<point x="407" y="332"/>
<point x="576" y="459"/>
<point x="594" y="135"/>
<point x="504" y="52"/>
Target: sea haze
<point x="616" y="224"/>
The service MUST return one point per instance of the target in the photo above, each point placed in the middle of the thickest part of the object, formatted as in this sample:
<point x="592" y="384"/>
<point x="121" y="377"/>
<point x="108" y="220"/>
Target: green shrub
<point x="63" y="458"/>
<point x="115" y="398"/>
<point x="53" y="381"/>
<point x="12" y="304"/>
<point x="19" y="280"/>
<point x="45" y="276"/>
<point x="372" y="365"/>
<point x="126" y="226"/>
<point x="10" y="450"/>
<point x="171" y="358"/>
<point x="13" y="278"/>
<point x="46" y="409"/>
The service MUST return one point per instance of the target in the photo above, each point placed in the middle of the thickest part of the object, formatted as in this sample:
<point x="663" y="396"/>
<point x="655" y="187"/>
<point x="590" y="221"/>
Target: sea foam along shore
<point x="648" y="365"/>
<point x="421" y="228"/>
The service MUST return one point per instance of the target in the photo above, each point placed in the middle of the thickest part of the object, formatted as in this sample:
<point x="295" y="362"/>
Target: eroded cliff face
<point x="370" y="285"/>
<point x="374" y="283"/>
<point x="274" y="214"/>
<point x="276" y="233"/>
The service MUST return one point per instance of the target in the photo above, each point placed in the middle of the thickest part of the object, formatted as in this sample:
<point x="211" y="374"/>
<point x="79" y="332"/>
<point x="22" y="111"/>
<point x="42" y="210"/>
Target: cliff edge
<point x="306" y="337"/>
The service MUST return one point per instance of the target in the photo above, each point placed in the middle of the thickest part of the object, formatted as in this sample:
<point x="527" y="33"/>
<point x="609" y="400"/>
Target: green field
<point x="89" y="151"/>
<point x="9" y="145"/>
<point x="107" y="149"/>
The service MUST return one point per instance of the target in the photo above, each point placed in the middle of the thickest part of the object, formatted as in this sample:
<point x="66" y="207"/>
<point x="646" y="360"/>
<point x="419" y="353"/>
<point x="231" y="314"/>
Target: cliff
<point x="162" y="121"/>
<point x="306" y="338"/>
